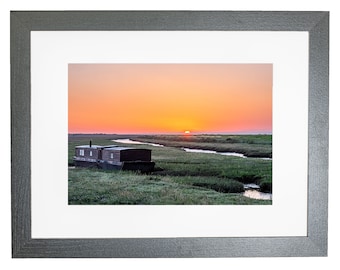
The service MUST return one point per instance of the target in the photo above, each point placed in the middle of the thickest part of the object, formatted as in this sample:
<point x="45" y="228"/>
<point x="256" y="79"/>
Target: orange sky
<point x="170" y="98"/>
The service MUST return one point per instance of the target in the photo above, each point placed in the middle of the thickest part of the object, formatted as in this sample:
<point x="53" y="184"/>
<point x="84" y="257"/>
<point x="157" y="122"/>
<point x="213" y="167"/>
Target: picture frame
<point x="314" y="244"/>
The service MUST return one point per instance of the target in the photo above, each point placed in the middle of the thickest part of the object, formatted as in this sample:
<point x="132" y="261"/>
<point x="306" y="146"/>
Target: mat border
<point x="316" y="23"/>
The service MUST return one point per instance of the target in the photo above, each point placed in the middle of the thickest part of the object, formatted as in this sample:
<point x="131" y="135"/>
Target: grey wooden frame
<point x="315" y="23"/>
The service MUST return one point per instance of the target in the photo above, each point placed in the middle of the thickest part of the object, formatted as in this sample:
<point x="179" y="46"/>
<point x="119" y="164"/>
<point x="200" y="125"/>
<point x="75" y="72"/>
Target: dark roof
<point x="109" y="147"/>
<point x="95" y="146"/>
<point x="88" y="146"/>
<point x="118" y="148"/>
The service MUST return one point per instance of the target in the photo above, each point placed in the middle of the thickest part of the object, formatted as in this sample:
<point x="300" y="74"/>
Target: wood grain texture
<point x="318" y="132"/>
<point x="315" y="244"/>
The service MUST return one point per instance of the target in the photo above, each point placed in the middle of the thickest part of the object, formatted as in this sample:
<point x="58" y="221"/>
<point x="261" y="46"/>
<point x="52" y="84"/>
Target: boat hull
<point x="142" y="166"/>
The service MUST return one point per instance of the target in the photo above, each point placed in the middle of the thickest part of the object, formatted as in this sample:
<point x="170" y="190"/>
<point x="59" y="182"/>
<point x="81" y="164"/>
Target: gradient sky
<point x="170" y="98"/>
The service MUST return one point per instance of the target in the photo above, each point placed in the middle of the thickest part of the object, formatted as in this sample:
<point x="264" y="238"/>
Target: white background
<point x="331" y="262"/>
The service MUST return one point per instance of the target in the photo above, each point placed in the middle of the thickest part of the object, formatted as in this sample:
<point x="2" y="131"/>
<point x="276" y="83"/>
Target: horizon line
<point x="173" y="133"/>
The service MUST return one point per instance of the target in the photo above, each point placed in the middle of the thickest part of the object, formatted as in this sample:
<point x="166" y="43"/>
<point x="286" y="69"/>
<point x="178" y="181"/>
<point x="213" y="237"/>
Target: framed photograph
<point x="169" y="133"/>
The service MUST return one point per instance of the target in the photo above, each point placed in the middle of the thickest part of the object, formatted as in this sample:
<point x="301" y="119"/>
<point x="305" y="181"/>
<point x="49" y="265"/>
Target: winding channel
<point x="251" y="190"/>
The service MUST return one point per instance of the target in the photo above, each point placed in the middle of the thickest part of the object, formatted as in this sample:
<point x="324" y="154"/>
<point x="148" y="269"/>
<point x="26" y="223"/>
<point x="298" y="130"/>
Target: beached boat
<point x="113" y="157"/>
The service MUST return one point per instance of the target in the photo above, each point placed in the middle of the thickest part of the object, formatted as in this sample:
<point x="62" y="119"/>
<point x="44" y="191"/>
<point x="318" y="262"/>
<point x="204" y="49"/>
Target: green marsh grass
<point x="180" y="177"/>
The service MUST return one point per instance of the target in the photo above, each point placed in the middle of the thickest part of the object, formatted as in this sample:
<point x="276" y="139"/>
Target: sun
<point x="187" y="132"/>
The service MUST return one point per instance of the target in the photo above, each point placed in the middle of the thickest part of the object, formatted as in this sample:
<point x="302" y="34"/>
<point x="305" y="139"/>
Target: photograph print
<point x="170" y="134"/>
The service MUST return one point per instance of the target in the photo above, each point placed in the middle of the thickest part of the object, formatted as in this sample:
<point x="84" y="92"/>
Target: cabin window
<point x="111" y="155"/>
<point x="81" y="152"/>
<point x="90" y="153"/>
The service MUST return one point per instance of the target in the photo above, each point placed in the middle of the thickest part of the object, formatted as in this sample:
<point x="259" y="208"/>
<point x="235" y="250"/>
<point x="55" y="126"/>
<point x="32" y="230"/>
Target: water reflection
<point x="192" y="150"/>
<point x="189" y="150"/>
<point x="255" y="194"/>
<point x="128" y="141"/>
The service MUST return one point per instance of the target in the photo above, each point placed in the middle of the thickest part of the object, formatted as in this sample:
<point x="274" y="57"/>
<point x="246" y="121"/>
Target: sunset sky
<point x="170" y="98"/>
